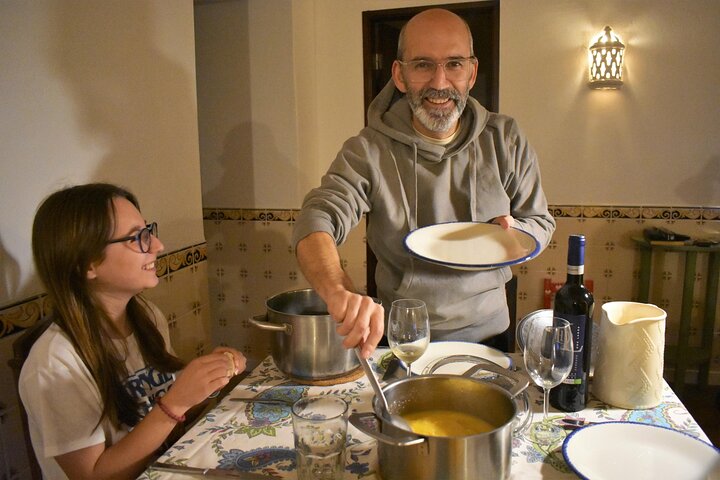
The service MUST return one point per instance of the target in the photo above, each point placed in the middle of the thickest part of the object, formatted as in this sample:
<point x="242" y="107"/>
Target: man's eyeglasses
<point x="143" y="237"/>
<point x="421" y="71"/>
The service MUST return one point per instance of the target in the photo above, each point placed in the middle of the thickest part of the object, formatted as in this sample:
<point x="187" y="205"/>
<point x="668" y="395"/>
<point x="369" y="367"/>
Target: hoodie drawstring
<point x="412" y="218"/>
<point x="473" y="183"/>
<point x="413" y="226"/>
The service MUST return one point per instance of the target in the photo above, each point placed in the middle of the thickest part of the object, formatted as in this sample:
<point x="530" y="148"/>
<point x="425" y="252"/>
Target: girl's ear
<point x="92" y="272"/>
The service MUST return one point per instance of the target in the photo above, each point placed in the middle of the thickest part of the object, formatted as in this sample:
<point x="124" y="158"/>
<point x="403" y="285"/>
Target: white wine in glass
<point x="408" y="330"/>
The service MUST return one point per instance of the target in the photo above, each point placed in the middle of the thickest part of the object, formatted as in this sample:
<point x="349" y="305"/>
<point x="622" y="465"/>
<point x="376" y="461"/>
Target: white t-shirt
<point x="62" y="400"/>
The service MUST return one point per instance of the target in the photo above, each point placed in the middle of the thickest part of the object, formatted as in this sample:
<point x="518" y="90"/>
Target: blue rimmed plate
<point x="612" y="450"/>
<point x="471" y="245"/>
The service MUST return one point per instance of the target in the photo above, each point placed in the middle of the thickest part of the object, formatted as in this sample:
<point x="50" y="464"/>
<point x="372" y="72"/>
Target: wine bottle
<point x="574" y="303"/>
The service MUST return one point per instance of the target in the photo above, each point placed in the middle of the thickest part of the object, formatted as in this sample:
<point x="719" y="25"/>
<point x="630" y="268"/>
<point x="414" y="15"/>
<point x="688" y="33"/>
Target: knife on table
<point x="207" y="472"/>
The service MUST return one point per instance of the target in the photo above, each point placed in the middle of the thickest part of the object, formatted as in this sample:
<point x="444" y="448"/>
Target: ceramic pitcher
<point x="629" y="367"/>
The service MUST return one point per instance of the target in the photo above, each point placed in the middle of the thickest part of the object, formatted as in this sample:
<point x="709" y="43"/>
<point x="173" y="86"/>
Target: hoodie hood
<point x="390" y="114"/>
<point x="400" y="182"/>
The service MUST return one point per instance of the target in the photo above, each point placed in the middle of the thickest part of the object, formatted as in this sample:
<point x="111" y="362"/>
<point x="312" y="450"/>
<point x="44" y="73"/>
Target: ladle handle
<point x="368" y="423"/>
<point x="373" y="380"/>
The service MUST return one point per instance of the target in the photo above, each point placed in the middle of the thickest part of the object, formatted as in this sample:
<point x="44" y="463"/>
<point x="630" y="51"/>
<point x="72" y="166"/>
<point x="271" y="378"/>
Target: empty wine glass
<point x="548" y="357"/>
<point x="408" y="330"/>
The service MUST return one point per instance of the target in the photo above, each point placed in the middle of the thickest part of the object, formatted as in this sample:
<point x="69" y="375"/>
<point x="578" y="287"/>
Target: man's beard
<point x="437" y="120"/>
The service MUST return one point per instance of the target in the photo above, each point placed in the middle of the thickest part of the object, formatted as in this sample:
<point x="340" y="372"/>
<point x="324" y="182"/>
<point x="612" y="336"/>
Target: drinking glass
<point x="548" y="357"/>
<point x="408" y="330"/>
<point x="320" y="431"/>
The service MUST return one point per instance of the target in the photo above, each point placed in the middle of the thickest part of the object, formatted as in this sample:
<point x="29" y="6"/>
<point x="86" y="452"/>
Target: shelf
<point x="683" y="355"/>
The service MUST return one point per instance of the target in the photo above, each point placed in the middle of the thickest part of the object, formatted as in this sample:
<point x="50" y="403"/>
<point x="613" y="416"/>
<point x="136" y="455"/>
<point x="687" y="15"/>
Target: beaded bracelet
<point x="166" y="411"/>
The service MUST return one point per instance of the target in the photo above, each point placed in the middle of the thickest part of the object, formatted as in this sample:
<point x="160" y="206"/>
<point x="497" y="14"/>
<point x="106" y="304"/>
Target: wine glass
<point x="408" y="330"/>
<point x="548" y="357"/>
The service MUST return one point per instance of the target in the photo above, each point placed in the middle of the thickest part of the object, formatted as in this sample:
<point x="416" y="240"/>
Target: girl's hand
<point x="203" y="376"/>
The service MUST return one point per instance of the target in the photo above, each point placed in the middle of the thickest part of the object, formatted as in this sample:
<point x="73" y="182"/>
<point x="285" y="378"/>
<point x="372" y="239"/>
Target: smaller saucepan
<point x="306" y="344"/>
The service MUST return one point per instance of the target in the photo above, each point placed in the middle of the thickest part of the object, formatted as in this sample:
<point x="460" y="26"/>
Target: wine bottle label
<point x="576" y="269"/>
<point x="577" y="325"/>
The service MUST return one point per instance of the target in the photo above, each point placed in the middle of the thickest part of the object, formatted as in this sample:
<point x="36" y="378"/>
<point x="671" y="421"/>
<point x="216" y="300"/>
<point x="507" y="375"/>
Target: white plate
<point x="639" y="451"/>
<point x="471" y="245"/>
<point x="439" y="350"/>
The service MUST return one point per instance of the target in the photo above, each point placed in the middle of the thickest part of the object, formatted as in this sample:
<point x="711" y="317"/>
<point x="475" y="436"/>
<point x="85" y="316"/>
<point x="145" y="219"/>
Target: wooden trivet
<point x="320" y="382"/>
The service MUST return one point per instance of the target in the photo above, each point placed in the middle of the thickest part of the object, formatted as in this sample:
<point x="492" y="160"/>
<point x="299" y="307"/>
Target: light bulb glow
<point x="605" y="60"/>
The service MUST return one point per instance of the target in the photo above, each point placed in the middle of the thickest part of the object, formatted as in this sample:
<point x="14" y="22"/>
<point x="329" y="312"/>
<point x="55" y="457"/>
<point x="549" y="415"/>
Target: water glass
<point x="320" y="431"/>
<point x="548" y="356"/>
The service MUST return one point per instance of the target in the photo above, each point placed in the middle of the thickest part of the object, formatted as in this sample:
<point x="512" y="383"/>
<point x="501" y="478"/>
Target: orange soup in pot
<point x="446" y="423"/>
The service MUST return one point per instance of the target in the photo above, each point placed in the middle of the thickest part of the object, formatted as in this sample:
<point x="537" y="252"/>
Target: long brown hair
<point x="70" y="232"/>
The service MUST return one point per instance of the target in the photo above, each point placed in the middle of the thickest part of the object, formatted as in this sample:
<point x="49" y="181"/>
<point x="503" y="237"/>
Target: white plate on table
<point x="437" y="351"/>
<point x="639" y="451"/>
<point x="471" y="245"/>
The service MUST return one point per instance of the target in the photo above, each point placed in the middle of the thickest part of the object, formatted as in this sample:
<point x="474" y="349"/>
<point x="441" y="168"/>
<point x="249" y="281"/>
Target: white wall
<point x="280" y="88"/>
<point x="246" y="99"/>
<point x="96" y="91"/>
<point x="655" y="141"/>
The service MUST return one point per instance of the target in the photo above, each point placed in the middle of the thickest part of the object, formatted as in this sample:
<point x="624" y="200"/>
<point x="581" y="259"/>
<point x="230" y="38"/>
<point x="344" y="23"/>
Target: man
<point x="431" y="156"/>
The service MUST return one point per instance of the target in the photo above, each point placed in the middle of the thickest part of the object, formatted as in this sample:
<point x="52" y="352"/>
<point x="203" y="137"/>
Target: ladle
<point x="395" y="420"/>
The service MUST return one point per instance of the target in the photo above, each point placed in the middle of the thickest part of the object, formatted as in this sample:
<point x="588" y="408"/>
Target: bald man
<point x="430" y="154"/>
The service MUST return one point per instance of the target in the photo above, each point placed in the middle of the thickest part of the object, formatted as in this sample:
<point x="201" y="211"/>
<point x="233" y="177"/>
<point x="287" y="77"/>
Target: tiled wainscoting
<point x="250" y="259"/>
<point x="182" y="295"/>
<point x="247" y="258"/>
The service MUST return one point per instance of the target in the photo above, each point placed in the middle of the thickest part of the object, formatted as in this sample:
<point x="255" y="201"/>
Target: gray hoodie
<point x="403" y="182"/>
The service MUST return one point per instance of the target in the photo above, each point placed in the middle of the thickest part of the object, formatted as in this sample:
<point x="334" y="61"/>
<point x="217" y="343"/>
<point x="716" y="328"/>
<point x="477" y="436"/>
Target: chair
<point x="21" y="348"/>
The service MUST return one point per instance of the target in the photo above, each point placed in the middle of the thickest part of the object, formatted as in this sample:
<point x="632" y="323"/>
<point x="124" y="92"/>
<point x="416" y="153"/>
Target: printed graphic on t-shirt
<point x="146" y="385"/>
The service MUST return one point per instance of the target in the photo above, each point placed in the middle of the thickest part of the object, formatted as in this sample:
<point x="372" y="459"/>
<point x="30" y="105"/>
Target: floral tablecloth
<point x="258" y="437"/>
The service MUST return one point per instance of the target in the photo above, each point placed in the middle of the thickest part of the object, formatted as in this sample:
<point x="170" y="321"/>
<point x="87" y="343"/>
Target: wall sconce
<point x="606" y="61"/>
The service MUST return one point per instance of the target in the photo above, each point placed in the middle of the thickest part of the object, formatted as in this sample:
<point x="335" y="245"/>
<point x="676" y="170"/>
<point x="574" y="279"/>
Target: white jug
<point x="629" y="369"/>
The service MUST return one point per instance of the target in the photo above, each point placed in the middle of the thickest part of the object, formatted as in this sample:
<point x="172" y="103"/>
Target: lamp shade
<point x="606" y="55"/>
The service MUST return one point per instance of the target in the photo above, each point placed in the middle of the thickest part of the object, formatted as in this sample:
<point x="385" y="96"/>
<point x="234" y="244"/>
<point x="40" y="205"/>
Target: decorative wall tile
<point x="711" y="213"/>
<point x="565" y="211"/>
<point x="22" y="315"/>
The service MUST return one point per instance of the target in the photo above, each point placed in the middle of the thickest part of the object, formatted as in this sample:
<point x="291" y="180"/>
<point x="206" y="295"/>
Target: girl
<point x="99" y="385"/>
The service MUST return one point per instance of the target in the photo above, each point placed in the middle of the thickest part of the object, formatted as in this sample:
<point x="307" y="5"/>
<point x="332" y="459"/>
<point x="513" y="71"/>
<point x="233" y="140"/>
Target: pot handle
<point x="520" y="381"/>
<point x="522" y="425"/>
<point x="368" y="424"/>
<point x="517" y="390"/>
<point x="258" y="321"/>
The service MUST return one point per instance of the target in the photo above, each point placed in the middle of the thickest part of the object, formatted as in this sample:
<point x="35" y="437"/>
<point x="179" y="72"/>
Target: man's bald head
<point x="436" y="20"/>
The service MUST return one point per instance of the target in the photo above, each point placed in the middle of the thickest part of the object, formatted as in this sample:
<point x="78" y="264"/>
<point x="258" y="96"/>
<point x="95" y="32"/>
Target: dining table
<point x="243" y="435"/>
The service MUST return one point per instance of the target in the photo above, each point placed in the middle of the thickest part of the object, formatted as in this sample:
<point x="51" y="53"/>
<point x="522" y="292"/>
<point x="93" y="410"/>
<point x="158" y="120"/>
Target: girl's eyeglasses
<point x="143" y="237"/>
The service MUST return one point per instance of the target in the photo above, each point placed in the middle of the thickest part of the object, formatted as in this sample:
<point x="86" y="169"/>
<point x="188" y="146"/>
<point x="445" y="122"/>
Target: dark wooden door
<point x="381" y="29"/>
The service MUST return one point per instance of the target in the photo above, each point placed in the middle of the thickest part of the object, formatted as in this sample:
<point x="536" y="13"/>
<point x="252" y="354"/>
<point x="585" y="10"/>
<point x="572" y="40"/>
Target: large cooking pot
<point x="306" y="345"/>
<point x="405" y="455"/>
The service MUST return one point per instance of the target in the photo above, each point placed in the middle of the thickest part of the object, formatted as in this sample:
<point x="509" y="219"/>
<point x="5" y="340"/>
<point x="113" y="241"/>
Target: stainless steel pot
<point x="405" y="455"/>
<point x="306" y="345"/>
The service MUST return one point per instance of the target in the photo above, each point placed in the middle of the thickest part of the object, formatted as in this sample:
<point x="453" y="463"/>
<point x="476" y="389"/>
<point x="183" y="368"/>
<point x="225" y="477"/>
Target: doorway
<point x="381" y="29"/>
